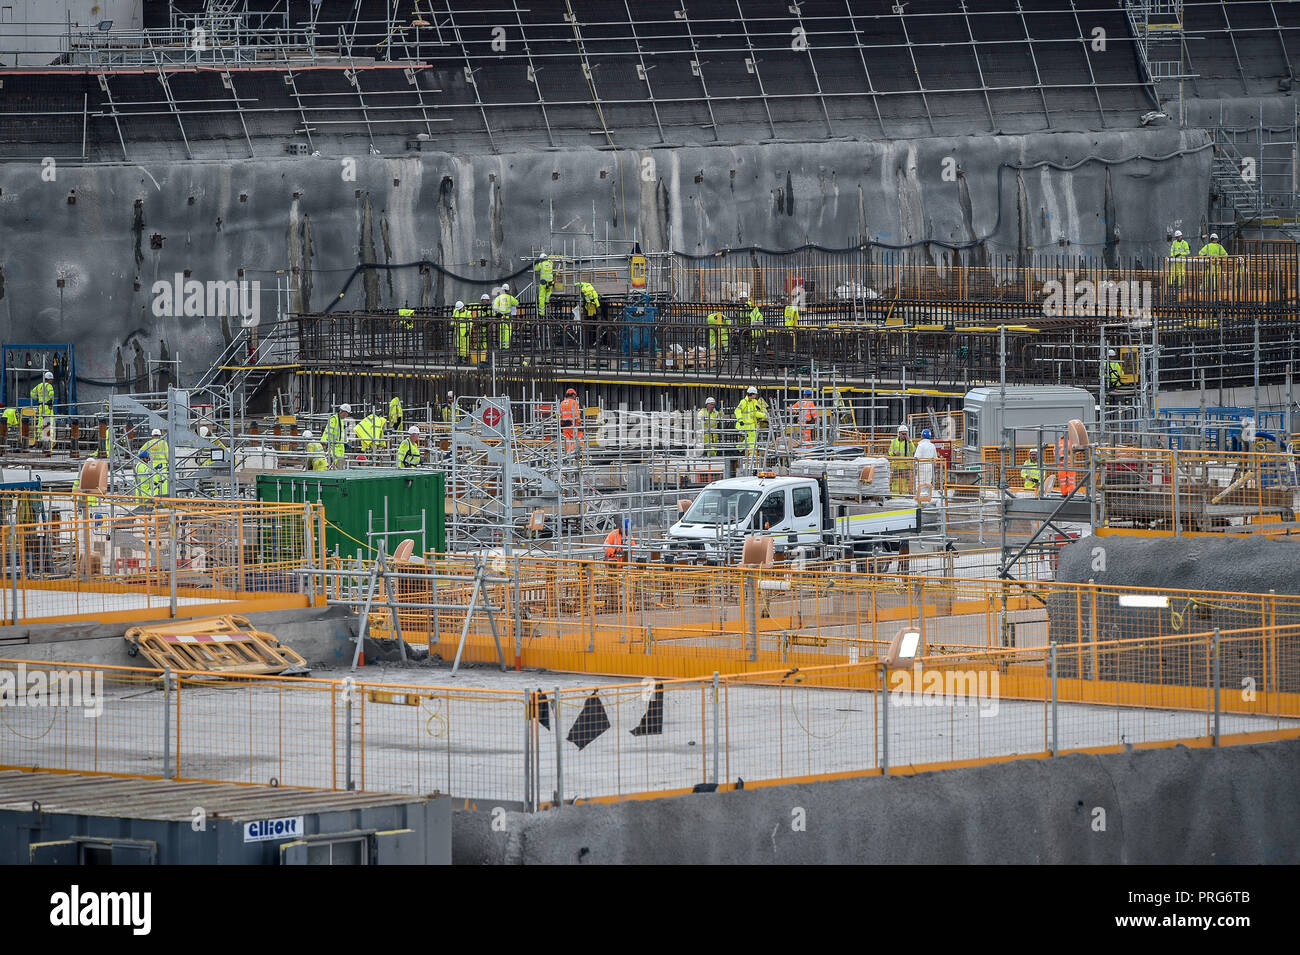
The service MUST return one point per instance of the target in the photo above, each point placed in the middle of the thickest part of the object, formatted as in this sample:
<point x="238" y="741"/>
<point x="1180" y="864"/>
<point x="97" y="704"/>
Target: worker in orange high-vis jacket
<point x="805" y="413"/>
<point x="570" y="421"/>
<point x="619" y="542"/>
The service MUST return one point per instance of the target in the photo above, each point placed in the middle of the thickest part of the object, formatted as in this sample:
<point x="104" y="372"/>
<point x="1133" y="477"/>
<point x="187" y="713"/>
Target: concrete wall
<point x="1234" y="805"/>
<point x="323" y="635"/>
<point x="479" y="216"/>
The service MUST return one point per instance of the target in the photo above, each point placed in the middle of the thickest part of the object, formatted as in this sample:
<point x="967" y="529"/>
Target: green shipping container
<point x="355" y="505"/>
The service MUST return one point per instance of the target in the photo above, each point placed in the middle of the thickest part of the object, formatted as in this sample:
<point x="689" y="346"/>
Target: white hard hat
<point x="460" y="304"/>
<point x="505" y="286"/>
<point x="542" y="254"/>
<point x="203" y="432"/>
<point x="1178" y="233"/>
<point x="709" y="400"/>
<point x="752" y="390"/>
<point x="485" y="297"/>
<point x="1214" y="237"/>
<point x="308" y="435"/>
<point x="49" y="376"/>
<point x="155" y="433"/>
<point x="451" y="394"/>
<point x="902" y="429"/>
<point x="345" y="407"/>
<point x="1033" y="452"/>
<point x="413" y="431"/>
<point x="1110" y="353"/>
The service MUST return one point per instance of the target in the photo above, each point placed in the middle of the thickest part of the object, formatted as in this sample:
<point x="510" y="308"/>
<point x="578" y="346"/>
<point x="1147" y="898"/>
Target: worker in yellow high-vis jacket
<point x="42" y="395"/>
<point x="751" y="414"/>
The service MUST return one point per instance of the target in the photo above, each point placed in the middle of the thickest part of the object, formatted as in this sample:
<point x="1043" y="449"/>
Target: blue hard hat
<point x="144" y="455"/>
<point x="807" y="392"/>
<point x="925" y="433"/>
<point x="627" y="523"/>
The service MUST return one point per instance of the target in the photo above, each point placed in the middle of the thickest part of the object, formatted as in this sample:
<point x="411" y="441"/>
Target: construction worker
<point x="449" y="411"/>
<point x="11" y="420"/>
<point x="484" y="316"/>
<point x="900" y="461"/>
<point x="1066" y="479"/>
<point x="1213" y="269"/>
<point x="395" y="413"/>
<point x="590" y="300"/>
<point x="370" y="431"/>
<point x="408" y="452"/>
<point x="570" y="421"/>
<point x="1177" y="268"/>
<point x="544" y="269"/>
<point x="335" y="431"/>
<point x="923" y="457"/>
<point x="756" y="323"/>
<point x="805" y="413"/>
<point x="408" y="314"/>
<point x="42" y="395"/>
<point x="709" y="420"/>
<point x="717" y="323"/>
<point x="157" y="448"/>
<point x="144" y="487"/>
<point x="1114" y="370"/>
<point x="504" y="307"/>
<point x="791" y="323"/>
<point x="750" y="414"/>
<point x="1031" y="475"/>
<point x="316" y="460"/>
<point x="619" y="542"/>
<point x="204" y="458"/>
<point x="462" y="330"/>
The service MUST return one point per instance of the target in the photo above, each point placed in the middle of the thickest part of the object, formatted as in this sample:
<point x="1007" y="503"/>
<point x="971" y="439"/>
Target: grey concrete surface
<point x="480" y="216"/>
<point x="321" y="634"/>
<point x="1179" y="806"/>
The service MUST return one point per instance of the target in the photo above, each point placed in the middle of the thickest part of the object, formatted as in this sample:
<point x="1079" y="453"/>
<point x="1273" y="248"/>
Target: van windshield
<point x="721" y="505"/>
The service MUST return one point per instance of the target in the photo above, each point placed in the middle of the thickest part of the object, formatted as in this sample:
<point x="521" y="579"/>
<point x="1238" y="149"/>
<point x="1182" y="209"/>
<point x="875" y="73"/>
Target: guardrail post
<point x="529" y="701"/>
<point x="518" y="615"/>
<point x="1173" y="477"/>
<point x="167" y="723"/>
<point x="1051" y="656"/>
<point x="750" y="583"/>
<point x="347" y="737"/>
<point x="716" y="730"/>
<point x="1217" y="681"/>
<point x="13" y="566"/>
<point x="559" y="749"/>
<point x="171" y="561"/>
<point x="308" y="552"/>
<point x="884" y="718"/>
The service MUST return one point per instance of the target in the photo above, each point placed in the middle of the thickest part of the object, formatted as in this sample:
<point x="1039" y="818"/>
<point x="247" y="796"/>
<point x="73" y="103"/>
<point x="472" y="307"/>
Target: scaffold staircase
<point x="247" y="363"/>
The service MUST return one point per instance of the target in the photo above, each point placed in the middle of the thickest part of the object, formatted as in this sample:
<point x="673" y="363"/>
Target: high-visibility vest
<point x="1212" y="248"/>
<point x="406" y="313"/>
<point x="569" y="411"/>
<point x="901" y="448"/>
<point x="371" y="428"/>
<point x="504" y="304"/>
<point x="756" y="322"/>
<point x="43" y="394"/>
<point x="316" y="457"/>
<point x="160" y="486"/>
<point x="709" y="424"/>
<point x="791" y="317"/>
<point x="616" y="546"/>
<point x="1065" y="478"/>
<point x="408" y="455"/>
<point x="449" y="412"/>
<point x="1115" y="373"/>
<point x="1179" y="248"/>
<point x="333" y="436"/>
<point x="545" y="270"/>
<point x="157" y="449"/>
<point x="1030" y="475"/>
<point x="718" y="330"/>
<point x="395" y="410"/>
<point x="806" y="410"/>
<point x="589" y="296"/>
<point x="144" y="479"/>
<point x="11" y="417"/>
<point x="749" y="413"/>
<point x="462" y="324"/>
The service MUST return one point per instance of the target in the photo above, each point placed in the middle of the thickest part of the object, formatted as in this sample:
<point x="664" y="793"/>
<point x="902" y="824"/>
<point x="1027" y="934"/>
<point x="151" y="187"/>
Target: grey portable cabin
<point x="1027" y="408"/>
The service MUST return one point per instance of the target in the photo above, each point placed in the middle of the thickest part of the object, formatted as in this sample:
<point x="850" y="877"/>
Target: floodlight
<point x="904" y="647"/>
